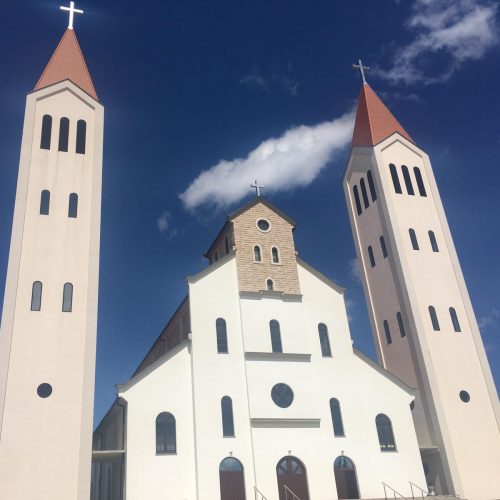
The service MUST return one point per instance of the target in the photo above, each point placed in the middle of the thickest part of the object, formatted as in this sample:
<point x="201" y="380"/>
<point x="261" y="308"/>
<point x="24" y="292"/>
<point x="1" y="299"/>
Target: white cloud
<point x="354" y="270"/>
<point x="447" y="33"/>
<point x="491" y="319"/>
<point x="276" y="79"/>
<point x="164" y="225"/>
<point x="279" y="164"/>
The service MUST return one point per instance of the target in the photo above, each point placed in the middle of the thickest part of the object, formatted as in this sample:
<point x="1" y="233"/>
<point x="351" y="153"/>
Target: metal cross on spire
<point x="72" y="11"/>
<point x="361" y="69"/>
<point x="257" y="188"/>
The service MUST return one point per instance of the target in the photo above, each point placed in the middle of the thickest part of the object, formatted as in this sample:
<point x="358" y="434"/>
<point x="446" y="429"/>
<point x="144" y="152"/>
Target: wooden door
<point x="232" y="480"/>
<point x="346" y="479"/>
<point x="292" y="473"/>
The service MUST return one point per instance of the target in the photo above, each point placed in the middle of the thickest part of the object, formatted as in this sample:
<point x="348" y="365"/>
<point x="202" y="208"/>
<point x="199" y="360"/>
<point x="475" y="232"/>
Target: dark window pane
<point x="464" y="396"/>
<point x="221" y="329"/>
<point x="44" y="390"/>
<point x="454" y="320"/>
<point x="63" y="134"/>
<point x="371" y="256"/>
<point x="324" y="340"/>
<point x="434" y="244"/>
<point x="371" y="185"/>
<point x="395" y="178"/>
<point x="275" y="255"/>
<point x="166" y="441"/>
<point x="338" y="426"/>
<point x="420" y="181"/>
<point x="413" y="238"/>
<point x="364" y="193"/>
<point x="45" y="202"/>
<point x="226" y="244"/>
<point x="274" y="327"/>
<point x="256" y="254"/>
<point x="407" y="178"/>
<point x="270" y="285"/>
<point x="230" y="464"/>
<point x="227" y="417"/>
<point x="385" y="434"/>
<point x="73" y="206"/>
<point x="384" y="248"/>
<point x="67" y="298"/>
<point x="401" y="325"/>
<point x="81" y="136"/>
<point x="46" y="132"/>
<point x="356" y="198"/>
<point x="36" y="296"/>
<point x="434" y="319"/>
<point x="282" y="395"/>
<point x="387" y="332"/>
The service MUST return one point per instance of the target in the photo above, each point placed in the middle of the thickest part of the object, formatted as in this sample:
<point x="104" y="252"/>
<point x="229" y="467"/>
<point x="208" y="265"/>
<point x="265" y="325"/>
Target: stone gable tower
<point x="49" y="321"/>
<point x="421" y="315"/>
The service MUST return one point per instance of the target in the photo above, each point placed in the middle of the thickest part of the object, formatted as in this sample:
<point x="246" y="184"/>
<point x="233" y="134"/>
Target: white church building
<point x="253" y="390"/>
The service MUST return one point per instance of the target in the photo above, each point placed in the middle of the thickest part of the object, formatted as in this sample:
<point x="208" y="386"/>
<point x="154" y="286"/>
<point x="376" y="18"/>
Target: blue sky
<point x="238" y="90"/>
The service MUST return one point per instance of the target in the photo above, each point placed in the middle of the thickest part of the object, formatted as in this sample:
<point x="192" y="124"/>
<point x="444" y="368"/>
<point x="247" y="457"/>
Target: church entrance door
<point x="345" y="478"/>
<point x="292" y="473"/>
<point x="232" y="480"/>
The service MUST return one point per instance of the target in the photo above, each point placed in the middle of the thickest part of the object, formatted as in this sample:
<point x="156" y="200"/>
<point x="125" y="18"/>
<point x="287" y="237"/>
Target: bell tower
<point x="49" y="321"/>
<point x="421" y="315"/>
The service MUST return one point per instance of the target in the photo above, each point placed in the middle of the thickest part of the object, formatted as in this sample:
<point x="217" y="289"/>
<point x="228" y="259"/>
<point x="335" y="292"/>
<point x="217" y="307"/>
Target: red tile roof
<point x="67" y="63"/>
<point x="374" y="121"/>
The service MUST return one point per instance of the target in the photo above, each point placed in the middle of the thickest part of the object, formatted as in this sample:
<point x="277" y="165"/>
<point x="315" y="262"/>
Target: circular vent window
<point x="263" y="225"/>
<point x="44" y="390"/>
<point x="464" y="396"/>
<point x="282" y="395"/>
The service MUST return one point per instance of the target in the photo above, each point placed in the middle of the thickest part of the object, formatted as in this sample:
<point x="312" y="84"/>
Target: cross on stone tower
<point x="257" y="188"/>
<point x="72" y="11"/>
<point x="361" y="69"/>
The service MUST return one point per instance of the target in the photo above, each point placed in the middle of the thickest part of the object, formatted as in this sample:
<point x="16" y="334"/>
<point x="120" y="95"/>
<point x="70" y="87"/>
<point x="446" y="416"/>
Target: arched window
<point x="67" y="304"/>
<point x="81" y="136"/>
<point x="221" y="329"/>
<point x="387" y="331"/>
<point x="46" y="132"/>
<point x="371" y="185"/>
<point x="371" y="256"/>
<point x="407" y="178"/>
<point x="454" y="320"/>
<point x="434" y="319"/>
<point x="413" y="238"/>
<point x="395" y="178"/>
<point x="434" y="243"/>
<point x="270" y="285"/>
<point x="36" y="296"/>
<point x="257" y="256"/>
<point x="73" y="206"/>
<point x="324" y="341"/>
<point x="231" y="479"/>
<point x="274" y="328"/>
<point x="384" y="248"/>
<point x="385" y="434"/>
<point x="45" y="202"/>
<point x="226" y="406"/>
<point x="166" y="440"/>
<point x="356" y="199"/>
<point x="420" y="181"/>
<point x="275" y="255"/>
<point x="338" y="426"/>
<point x="401" y="325"/>
<point x="63" y="134"/>
<point x="364" y="193"/>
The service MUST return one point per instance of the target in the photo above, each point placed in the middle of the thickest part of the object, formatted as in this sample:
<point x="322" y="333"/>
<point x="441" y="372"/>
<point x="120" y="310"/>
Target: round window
<point x="263" y="225"/>
<point x="44" y="390"/>
<point x="464" y="396"/>
<point x="282" y="395"/>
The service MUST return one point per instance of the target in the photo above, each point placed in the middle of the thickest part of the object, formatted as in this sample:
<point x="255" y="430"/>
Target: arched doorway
<point x="232" y="480"/>
<point x="292" y="473"/>
<point x="345" y="478"/>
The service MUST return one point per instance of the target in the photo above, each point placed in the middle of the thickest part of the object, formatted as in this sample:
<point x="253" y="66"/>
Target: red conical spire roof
<point x="374" y="121"/>
<point x="67" y="63"/>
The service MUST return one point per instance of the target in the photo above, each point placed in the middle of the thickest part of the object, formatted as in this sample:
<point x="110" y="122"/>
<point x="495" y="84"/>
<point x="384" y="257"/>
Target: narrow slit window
<point x="357" y="200"/>
<point x="221" y="331"/>
<point x="401" y="325"/>
<point x="275" y="255"/>
<point x="407" y="178"/>
<point x="227" y="417"/>
<point x="371" y="185"/>
<point x="371" y="256"/>
<point x="338" y="425"/>
<point x="420" y="181"/>
<point x="81" y="136"/>
<point x="413" y="238"/>
<point x="45" y="202"/>
<point x="364" y="193"/>
<point x="73" y="206"/>
<point x="257" y="256"/>
<point x="395" y="178"/>
<point x="434" y="319"/>
<point x="387" y="332"/>
<point x="434" y="243"/>
<point x="274" y="327"/>
<point x="383" y="247"/>
<point x="67" y="305"/>
<point x="454" y="320"/>
<point x="46" y="132"/>
<point x="270" y="285"/>
<point x="324" y="341"/>
<point x="36" y="296"/>
<point x="63" y="134"/>
<point x="226" y="244"/>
